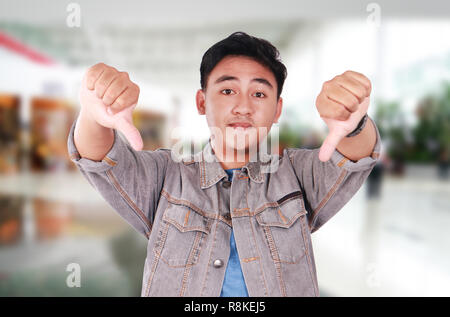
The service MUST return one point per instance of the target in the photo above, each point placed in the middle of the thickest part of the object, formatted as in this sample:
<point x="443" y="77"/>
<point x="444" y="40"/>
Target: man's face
<point x="240" y="103"/>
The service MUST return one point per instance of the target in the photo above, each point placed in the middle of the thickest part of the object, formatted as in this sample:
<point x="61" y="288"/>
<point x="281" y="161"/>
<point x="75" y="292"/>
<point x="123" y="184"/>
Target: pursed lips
<point x="243" y="125"/>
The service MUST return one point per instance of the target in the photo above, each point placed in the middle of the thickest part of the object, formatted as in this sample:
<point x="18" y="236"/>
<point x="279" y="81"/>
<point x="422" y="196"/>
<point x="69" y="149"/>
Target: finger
<point x="117" y="87"/>
<point x="353" y="86"/>
<point x="342" y="96"/>
<point x="130" y="132"/>
<point x="331" y="109"/>
<point x="329" y="145"/>
<point x="361" y="78"/>
<point x="93" y="74"/>
<point x="102" y="84"/>
<point x="128" y="98"/>
<point x="364" y="106"/>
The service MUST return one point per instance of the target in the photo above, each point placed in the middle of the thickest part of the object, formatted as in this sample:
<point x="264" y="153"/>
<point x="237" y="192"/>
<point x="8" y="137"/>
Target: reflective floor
<point x="394" y="245"/>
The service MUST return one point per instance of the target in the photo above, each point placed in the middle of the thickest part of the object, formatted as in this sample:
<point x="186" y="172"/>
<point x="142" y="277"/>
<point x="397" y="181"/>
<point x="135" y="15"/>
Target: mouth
<point x="240" y="125"/>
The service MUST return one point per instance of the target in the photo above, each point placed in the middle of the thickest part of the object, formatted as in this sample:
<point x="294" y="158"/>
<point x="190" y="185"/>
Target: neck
<point x="229" y="158"/>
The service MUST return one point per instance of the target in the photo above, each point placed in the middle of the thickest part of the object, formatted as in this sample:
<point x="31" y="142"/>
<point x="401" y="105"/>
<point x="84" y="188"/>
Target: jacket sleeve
<point x="130" y="181"/>
<point x="328" y="186"/>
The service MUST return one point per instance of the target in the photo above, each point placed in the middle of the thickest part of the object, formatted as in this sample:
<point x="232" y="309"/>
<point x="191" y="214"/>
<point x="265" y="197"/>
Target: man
<point x="223" y="226"/>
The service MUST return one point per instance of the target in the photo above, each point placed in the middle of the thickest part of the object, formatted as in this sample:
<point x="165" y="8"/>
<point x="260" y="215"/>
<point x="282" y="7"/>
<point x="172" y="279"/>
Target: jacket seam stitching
<point x="209" y="261"/>
<point x="187" y="204"/>
<point x="109" y="161"/>
<point x="306" y="243"/>
<point x="137" y="211"/>
<point x="156" y="259"/>
<point x="187" y="270"/>
<point x="276" y="259"/>
<point x="203" y="171"/>
<point x="327" y="197"/>
<point x="266" y="292"/>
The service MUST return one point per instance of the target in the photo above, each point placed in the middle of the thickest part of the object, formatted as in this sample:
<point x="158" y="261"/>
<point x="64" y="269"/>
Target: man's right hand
<point x="108" y="97"/>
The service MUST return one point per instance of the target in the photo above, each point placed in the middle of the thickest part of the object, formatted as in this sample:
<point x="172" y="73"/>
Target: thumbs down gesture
<point x="342" y="103"/>
<point x="109" y="97"/>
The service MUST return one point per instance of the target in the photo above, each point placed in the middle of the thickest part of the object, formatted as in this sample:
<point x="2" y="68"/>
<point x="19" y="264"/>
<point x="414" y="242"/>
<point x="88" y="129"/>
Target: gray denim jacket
<point x="186" y="209"/>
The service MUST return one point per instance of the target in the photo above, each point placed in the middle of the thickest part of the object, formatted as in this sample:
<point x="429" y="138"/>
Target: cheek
<point x="264" y="119"/>
<point x="214" y="117"/>
<point x="264" y="127"/>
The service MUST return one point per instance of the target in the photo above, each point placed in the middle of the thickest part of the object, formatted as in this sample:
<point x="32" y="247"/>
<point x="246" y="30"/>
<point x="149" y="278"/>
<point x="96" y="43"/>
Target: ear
<point x="200" y="100"/>
<point x="279" y="108"/>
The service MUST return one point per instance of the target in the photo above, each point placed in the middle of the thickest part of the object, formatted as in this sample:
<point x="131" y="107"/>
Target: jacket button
<point x="227" y="216"/>
<point x="226" y="184"/>
<point x="218" y="263"/>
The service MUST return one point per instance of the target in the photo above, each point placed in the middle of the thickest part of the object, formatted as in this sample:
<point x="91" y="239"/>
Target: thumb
<point x="130" y="132"/>
<point x="329" y="145"/>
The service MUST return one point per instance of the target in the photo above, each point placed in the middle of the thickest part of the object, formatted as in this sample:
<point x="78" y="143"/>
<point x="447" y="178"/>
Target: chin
<point x="244" y="141"/>
<point x="241" y="144"/>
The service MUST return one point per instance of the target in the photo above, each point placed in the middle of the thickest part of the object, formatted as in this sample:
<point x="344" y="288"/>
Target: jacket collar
<point x="211" y="171"/>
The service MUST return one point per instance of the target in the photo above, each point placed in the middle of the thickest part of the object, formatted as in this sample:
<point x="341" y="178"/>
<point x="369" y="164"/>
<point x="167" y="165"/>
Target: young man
<point x="218" y="224"/>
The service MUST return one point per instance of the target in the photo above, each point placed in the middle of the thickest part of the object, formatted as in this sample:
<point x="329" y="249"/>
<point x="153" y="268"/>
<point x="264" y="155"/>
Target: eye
<point x="227" y="91"/>
<point x="259" y="94"/>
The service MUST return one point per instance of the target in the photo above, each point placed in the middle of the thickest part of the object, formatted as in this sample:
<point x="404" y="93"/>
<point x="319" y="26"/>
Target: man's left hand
<point x="343" y="101"/>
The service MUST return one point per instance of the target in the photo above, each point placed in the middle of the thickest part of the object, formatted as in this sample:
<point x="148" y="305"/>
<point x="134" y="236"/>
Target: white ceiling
<point x="162" y="42"/>
<point x="176" y="13"/>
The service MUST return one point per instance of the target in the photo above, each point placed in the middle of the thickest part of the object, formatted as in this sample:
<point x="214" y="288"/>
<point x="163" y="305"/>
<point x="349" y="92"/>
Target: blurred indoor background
<point x="391" y="239"/>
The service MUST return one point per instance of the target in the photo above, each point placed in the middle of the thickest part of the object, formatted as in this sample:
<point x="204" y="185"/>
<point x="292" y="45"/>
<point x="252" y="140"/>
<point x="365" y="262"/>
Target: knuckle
<point x="100" y="88"/>
<point x="111" y="72"/>
<point x="338" y="79"/>
<point x="361" y="92"/>
<point x="96" y="66"/>
<point x="100" y="85"/>
<point x="136" y="89"/>
<point x="363" y="95"/>
<point x="100" y="93"/>
<point x="320" y="101"/>
<point x="124" y="102"/>
<point x="108" y="98"/>
<point x="90" y="77"/>
<point x="129" y="99"/>
<point x="117" y="104"/>
<point x="354" y="103"/>
<point x="341" y="114"/>
<point x="347" y="72"/>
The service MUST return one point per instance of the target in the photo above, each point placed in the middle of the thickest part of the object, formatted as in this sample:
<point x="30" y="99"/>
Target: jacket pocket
<point x="182" y="235"/>
<point x="283" y="224"/>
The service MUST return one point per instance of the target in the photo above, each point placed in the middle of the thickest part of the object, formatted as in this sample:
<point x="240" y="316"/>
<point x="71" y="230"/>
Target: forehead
<point x="241" y="67"/>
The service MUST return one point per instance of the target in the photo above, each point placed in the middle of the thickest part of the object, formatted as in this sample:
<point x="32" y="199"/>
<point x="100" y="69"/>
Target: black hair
<point x="242" y="44"/>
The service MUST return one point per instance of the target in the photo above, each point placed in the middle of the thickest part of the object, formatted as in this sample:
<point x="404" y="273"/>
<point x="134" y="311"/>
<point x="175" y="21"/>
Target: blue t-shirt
<point x="233" y="283"/>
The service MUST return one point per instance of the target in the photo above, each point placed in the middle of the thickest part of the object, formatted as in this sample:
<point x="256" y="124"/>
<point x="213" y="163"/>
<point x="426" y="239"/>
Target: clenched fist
<point x="342" y="102"/>
<point x="108" y="96"/>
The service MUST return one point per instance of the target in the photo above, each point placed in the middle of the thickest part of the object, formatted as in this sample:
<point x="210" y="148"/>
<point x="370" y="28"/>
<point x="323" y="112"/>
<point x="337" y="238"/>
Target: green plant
<point x="432" y="131"/>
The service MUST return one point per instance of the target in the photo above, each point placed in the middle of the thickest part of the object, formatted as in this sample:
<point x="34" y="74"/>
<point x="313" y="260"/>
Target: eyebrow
<point x="228" y="77"/>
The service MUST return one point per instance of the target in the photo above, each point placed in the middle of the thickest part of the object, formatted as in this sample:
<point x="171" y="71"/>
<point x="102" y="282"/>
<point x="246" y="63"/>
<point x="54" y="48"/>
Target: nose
<point x="243" y="106"/>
